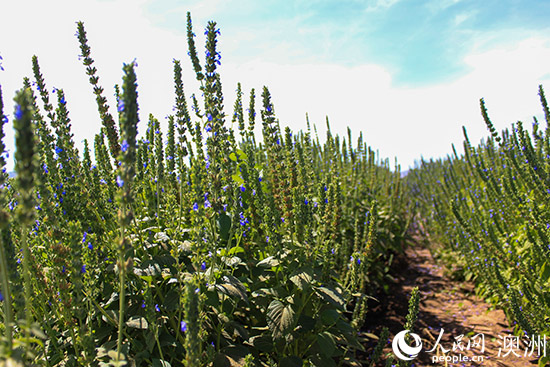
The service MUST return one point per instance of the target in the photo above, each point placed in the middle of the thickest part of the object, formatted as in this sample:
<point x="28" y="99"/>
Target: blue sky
<point x="421" y="42"/>
<point x="407" y="73"/>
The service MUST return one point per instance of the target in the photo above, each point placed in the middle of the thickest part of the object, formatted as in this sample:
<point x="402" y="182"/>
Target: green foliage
<point x="489" y="208"/>
<point x="205" y="248"/>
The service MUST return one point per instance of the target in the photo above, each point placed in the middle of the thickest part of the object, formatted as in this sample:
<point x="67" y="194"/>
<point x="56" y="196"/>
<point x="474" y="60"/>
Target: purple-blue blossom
<point x="18" y="112"/>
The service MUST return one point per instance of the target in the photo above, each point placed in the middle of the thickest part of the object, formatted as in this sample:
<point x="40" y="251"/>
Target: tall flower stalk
<point x="5" y="285"/>
<point x="25" y="168"/>
<point x="128" y="109"/>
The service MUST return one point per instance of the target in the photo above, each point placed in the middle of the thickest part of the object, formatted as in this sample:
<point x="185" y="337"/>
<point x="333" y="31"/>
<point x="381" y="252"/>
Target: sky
<point x="408" y="74"/>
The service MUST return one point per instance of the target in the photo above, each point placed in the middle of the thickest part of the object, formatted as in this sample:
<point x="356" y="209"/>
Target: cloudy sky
<point x="407" y="73"/>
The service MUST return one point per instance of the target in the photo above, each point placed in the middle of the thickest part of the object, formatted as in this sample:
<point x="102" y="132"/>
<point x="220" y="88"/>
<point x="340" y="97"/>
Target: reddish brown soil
<point x="444" y="304"/>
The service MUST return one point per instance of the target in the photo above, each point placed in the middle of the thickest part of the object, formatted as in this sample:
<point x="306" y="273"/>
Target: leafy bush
<point x="489" y="209"/>
<point x="203" y="246"/>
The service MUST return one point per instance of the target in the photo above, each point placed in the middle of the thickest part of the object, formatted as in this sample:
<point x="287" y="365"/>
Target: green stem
<point x="122" y="295"/>
<point x="27" y="278"/>
<point x="8" y="317"/>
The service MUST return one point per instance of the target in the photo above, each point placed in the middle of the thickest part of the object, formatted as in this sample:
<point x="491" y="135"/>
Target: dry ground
<point x="444" y="304"/>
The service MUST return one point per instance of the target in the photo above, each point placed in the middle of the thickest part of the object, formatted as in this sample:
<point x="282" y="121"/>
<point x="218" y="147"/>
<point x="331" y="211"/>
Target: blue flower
<point x="18" y="112"/>
<point x="58" y="150"/>
<point x="63" y="270"/>
<point x="84" y="237"/>
<point x="83" y="269"/>
<point x="62" y="100"/>
<point x="243" y="220"/>
<point x="183" y="326"/>
<point x="207" y="204"/>
<point x="209" y="117"/>
<point x="119" y="181"/>
<point x="120" y="106"/>
<point x="243" y="189"/>
<point x="143" y="304"/>
<point x="157" y="308"/>
<point x="203" y="266"/>
<point x="1" y="296"/>
<point x="124" y="146"/>
<point x="90" y="246"/>
<point x="196" y="207"/>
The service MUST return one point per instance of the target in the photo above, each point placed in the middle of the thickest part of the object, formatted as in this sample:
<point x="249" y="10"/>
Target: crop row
<point x="489" y="210"/>
<point x="202" y="244"/>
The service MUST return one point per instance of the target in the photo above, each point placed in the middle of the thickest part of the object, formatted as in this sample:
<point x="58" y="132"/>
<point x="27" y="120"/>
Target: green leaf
<point x="137" y="322"/>
<point x="326" y="344"/>
<point x="172" y="301"/>
<point x="302" y="279"/>
<point x="321" y="361"/>
<point x="232" y="287"/>
<point x="305" y="324"/>
<point x="329" y="316"/>
<point x="236" y="250"/>
<point x="264" y="343"/>
<point x="332" y="296"/>
<point x="280" y="318"/>
<point x="224" y="222"/>
<point x="292" y="361"/>
<point x="545" y="272"/>
<point x="238" y="179"/>
<point x="160" y="363"/>
<point x="268" y="262"/>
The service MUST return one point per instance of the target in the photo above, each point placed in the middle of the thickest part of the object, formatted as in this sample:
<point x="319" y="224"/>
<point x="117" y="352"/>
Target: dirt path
<point x="446" y="305"/>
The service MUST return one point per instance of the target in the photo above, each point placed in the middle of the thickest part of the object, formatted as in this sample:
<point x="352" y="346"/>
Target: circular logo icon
<point x="401" y="349"/>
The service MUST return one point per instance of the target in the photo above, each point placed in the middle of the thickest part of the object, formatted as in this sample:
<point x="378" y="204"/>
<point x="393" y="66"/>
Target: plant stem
<point x="8" y="317"/>
<point x="27" y="279"/>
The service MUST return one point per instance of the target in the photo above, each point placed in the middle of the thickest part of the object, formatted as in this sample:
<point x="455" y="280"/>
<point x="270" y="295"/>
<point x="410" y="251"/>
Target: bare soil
<point x="446" y="306"/>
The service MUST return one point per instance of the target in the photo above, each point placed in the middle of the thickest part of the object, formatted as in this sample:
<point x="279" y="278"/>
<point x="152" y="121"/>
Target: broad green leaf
<point x="279" y="318"/>
<point x="264" y="343"/>
<point x="171" y="301"/>
<point x="326" y="344"/>
<point x="236" y="250"/>
<point x="160" y="363"/>
<point x="238" y="179"/>
<point x="302" y="279"/>
<point x="232" y="287"/>
<point x="224" y="222"/>
<point x="268" y="262"/>
<point x="329" y="316"/>
<point x="292" y="361"/>
<point x="322" y="361"/>
<point x="137" y="322"/>
<point x="332" y="296"/>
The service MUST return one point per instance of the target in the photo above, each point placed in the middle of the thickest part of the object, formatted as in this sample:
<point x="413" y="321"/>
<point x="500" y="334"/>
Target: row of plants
<point x="205" y="244"/>
<point x="488" y="208"/>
